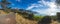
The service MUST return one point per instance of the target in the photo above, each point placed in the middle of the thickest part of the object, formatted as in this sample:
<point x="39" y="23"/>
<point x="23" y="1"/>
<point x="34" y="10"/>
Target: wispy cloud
<point x="12" y="4"/>
<point x="18" y="0"/>
<point x="51" y="10"/>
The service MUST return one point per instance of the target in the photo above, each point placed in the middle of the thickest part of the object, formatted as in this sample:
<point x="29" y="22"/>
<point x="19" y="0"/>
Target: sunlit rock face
<point x="7" y="19"/>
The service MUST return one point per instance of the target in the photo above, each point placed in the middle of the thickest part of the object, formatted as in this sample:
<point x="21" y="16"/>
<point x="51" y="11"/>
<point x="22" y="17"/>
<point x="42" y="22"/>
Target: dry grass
<point x="21" y="20"/>
<point x="2" y="12"/>
<point x="54" y="22"/>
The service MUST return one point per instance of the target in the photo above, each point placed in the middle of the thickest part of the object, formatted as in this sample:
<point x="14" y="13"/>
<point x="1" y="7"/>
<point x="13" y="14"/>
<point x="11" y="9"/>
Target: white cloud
<point x="30" y="7"/>
<point x="49" y="11"/>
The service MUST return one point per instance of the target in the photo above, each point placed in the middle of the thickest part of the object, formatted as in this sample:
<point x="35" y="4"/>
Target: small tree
<point x="4" y="4"/>
<point x="30" y="16"/>
<point x="58" y="16"/>
<point x="45" y="20"/>
<point x="57" y="2"/>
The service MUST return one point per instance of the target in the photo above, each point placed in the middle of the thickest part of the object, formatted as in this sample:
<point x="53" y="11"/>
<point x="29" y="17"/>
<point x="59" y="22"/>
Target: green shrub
<point x="38" y="17"/>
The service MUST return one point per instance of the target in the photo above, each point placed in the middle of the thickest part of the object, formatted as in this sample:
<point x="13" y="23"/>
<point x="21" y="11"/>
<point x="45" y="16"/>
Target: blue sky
<point x="45" y="7"/>
<point x="22" y="3"/>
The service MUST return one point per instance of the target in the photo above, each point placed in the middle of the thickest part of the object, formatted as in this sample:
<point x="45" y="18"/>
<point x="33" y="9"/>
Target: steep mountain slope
<point x="20" y="19"/>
